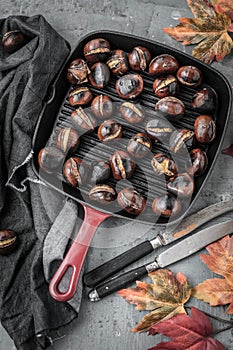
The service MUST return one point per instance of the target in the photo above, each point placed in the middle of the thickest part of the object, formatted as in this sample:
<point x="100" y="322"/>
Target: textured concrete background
<point x="106" y="325"/>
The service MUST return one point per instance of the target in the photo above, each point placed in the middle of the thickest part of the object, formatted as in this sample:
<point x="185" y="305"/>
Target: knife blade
<point x="177" y="252"/>
<point x="189" y="224"/>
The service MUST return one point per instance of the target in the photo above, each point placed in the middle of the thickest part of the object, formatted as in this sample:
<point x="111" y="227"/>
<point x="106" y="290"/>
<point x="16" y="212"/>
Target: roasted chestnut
<point x="50" y="159"/>
<point x="166" y="85"/>
<point x="166" y="205"/>
<point x="100" y="171"/>
<point x="139" y="145"/>
<point x="162" y="165"/>
<point x="97" y="50"/>
<point x="159" y="129"/>
<point x="122" y="165"/>
<point x="129" y="86"/>
<point x="181" y="140"/>
<point x="131" y="201"/>
<point x="171" y="107"/>
<point x="75" y="171"/>
<point x="67" y="139"/>
<point x="77" y="71"/>
<point x="163" y="64"/>
<point x="189" y="76"/>
<point x="13" y="40"/>
<point x="8" y="241"/>
<point x="100" y="75"/>
<point x="83" y="120"/>
<point x="198" y="162"/>
<point x="132" y="112"/>
<point x="102" y="106"/>
<point x="80" y="96"/>
<point x="118" y="62"/>
<point x="109" y="130"/>
<point x="205" y="100"/>
<point x="103" y="193"/>
<point x="181" y="185"/>
<point x="204" y="129"/>
<point x="139" y="58"/>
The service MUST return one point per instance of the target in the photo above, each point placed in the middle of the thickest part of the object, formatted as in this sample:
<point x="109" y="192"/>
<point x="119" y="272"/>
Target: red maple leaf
<point x="187" y="333"/>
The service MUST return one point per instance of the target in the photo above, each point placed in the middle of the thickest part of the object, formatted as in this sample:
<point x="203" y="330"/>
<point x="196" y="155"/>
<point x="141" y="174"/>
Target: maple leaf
<point x="165" y="298"/>
<point x="224" y="6"/>
<point x="208" y="29"/>
<point x="187" y="333"/>
<point x="218" y="291"/>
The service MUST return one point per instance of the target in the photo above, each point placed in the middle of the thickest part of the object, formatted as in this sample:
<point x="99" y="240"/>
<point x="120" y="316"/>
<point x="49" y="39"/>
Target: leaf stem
<point x="216" y="318"/>
<point x="222" y="330"/>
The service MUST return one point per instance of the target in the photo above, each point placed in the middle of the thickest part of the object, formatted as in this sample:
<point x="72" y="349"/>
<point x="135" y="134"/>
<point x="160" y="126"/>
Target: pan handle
<point x="76" y="255"/>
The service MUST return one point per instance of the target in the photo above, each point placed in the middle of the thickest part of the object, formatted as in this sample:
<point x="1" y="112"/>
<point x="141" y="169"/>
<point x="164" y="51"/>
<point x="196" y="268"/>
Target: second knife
<point x="177" y="252"/>
<point x="189" y="224"/>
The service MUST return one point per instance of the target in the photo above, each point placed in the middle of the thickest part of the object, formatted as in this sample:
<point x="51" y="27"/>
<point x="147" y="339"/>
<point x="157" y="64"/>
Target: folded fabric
<point x="27" y="311"/>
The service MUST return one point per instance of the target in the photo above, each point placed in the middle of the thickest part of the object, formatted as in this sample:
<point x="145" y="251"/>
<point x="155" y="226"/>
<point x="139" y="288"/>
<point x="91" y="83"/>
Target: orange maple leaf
<point x="218" y="291"/>
<point x="164" y="298"/>
<point x="209" y="29"/>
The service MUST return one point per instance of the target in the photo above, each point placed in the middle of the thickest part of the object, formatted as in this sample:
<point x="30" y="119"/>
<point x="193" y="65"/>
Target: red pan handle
<point x="76" y="255"/>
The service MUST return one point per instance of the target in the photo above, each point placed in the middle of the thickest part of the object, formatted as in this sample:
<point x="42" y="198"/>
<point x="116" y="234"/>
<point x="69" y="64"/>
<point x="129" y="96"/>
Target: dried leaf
<point x="208" y="29"/>
<point x="218" y="291"/>
<point x="187" y="333"/>
<point x="165" y="298"/>
<point x="224" y="6"/>
<point x="228" y="151"/>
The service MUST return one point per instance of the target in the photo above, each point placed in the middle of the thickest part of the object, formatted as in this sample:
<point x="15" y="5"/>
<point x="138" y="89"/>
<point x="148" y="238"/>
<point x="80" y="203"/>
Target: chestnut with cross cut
<point x="118" y="62"/>
<point x="8" y="241"/>
<point x="171" y="108"/>
<point x="205" y="129"/>
<point x="109" y="130"/>
<point x="80" y="96"/>
<point x="75" y="171"/>
<point x="163" y="64"/>
<point x="162" y="165"/>
<point x="78" y="71"/>
<point x="103" y="193"/>
<point x="189" y="76"/>
<point x="181" y="140"/>
<point x="165" y="86"/>
<point x="159" y="129"/>
<point x="131" y="201"/>
<point x="166" y="205"/>
<point x="100" y="171"/>
<point x="102" y="106"/>
<point x="122" y="165"/>
<point x="139" y="145"/>
<point x="198" y="162"/>
<point x="97" y="50"/>
<point x="139" y="58"/>
<point x="100" y="75"/>
<point x="132" y="112"/>
<point x="181" y="185"/>
<point x="205" y="100"/>
<point x="129" y="86"/>
<point x="67" y="139"/>
<point x="83" y="120"/>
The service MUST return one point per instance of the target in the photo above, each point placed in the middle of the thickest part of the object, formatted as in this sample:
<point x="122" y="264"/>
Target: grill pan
<point x="56" y="114"/>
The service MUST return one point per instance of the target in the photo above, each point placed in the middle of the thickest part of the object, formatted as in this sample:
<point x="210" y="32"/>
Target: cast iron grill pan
<point x="57" y="114"/>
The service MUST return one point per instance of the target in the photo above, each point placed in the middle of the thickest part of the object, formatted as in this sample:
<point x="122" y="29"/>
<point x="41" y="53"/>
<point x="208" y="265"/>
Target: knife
<point x="177" y="252"/>
<point x="189" y="224"/>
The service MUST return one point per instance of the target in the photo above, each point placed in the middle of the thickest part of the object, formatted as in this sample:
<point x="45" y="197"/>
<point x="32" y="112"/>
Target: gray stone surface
<point x="106" y="325"/>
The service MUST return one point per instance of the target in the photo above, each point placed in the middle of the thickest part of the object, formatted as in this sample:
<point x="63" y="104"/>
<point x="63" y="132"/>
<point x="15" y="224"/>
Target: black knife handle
<point x="117" y="283"/>
<point x="102" y="272"/>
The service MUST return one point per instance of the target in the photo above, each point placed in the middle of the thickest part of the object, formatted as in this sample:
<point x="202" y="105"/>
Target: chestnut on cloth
<point x="27" y="311"/>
